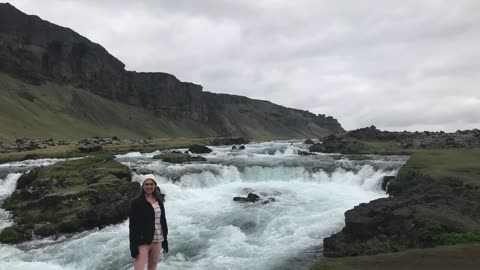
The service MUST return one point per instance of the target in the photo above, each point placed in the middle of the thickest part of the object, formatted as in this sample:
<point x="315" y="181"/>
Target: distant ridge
<point x="37" y="52"/>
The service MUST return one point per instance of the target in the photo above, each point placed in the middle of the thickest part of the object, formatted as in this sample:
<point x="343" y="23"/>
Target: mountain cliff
<point x="37" y="52"/>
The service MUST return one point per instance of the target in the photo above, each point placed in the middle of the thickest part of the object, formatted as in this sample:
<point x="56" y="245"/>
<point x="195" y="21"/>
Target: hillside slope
<point x="42" y="55"/>
<point x="64" y="112"/>
<point x="57" y="111"/>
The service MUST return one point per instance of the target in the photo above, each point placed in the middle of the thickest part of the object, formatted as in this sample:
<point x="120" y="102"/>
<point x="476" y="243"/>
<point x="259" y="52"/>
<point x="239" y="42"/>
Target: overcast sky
<point x="399" y="65"/>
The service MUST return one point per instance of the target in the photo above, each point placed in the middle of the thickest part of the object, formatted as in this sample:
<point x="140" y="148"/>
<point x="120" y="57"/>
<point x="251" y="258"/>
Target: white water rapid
<point x="207" y="229"/>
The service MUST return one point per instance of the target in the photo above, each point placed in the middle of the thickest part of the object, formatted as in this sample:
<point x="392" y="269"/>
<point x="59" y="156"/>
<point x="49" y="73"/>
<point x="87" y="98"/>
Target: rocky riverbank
<point x="81" y="194"/>
<point x="26" y="144"/>
<point x="370" y="140"/>
<point x="428" y="214"/>
<point x="69" y="196"/>
<point x="435" y="200"/>
<point x="426" y="139"/>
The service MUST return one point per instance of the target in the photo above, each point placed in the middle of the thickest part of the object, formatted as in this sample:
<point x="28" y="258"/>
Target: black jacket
<point x="142" y="223"/>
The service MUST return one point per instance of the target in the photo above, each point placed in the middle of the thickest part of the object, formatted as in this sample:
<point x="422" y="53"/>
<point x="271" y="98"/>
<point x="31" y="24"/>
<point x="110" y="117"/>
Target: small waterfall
<point x="207" y="229"/>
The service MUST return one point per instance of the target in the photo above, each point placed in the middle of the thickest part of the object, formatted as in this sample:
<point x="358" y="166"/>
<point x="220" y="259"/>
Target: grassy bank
<point x="64" y="112"/>
<point x="459" y="257"/>
<point x="64" y="151"/>
<point x="454" y="167"/>
<point x="457" y="163"/>
<point x="69" y="196"/>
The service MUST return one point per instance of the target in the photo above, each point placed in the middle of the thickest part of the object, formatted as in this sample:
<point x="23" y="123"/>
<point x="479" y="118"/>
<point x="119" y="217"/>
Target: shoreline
<point x="431" y="206"/>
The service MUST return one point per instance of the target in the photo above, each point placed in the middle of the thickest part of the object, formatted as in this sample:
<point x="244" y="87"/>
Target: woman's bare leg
<point x="141" y="259"/>
<point x="154" y="255"/>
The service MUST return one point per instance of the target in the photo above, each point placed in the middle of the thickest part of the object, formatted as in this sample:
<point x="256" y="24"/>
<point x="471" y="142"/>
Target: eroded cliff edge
<point x="37" y="51"/>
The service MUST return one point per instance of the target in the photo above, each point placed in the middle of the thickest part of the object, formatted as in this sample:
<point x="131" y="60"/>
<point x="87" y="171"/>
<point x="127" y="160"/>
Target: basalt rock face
<point x="165" y="95"/>
<point x="38" y="51"/>
<point x="427" y="214"/>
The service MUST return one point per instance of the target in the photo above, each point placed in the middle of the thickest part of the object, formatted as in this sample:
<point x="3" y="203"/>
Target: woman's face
<point x="149" y="186"/>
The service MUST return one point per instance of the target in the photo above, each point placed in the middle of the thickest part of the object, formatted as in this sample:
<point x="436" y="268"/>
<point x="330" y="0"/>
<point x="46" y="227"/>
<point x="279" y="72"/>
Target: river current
<point x="207" y="229"/>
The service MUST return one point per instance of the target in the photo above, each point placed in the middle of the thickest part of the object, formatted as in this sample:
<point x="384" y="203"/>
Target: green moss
<point x="46" y="229"/>
<point x="27" y="110"/>
<point x="459" y="238"/>
<point x="13" y="234"/>
<point x="458" y="163"/>
<point x="434" y="235"/>
<point x="53" y="198"/>
<point x="175" y="157"/>
<point x="396" y="246"/>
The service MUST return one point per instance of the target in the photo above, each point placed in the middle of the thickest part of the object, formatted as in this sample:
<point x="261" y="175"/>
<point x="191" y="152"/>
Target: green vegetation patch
<point x="441" y="258"/>
<point x="69" y="196"/>
<point x="458" y="163"/>
<point x="177" y="157"/>
<point x="446" y="165"/>
<point x="434" y="235"/>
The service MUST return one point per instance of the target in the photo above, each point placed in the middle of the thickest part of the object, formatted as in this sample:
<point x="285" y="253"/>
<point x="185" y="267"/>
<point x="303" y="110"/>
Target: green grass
<point x="384" y="148"/>
<point x="68" y="151"/>
<point x="456" y="163"/>
<point x="436" y="235"/>
<point x="63" y="112"/>
<point x="441" y="258"/>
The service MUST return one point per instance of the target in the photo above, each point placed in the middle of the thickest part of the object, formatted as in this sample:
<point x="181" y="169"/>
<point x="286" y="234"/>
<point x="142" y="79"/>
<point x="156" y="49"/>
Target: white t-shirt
<point x="158" y="235"/>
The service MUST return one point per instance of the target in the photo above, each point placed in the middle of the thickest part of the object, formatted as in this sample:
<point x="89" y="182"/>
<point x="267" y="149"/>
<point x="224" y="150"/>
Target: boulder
<point x="69" y="196"/>
<point x="309" y="141"/>
<point x="251" y="197"/>
<point x="199" y="149"/>
<point x="90" y="148"/>
<point x="317" y="147"/>
<point x="229" y="141"/>
<point x="423" y="216"/>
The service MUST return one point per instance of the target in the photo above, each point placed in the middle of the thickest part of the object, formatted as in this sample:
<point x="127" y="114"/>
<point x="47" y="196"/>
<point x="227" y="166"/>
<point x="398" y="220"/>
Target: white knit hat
<point x="149" y="176"/>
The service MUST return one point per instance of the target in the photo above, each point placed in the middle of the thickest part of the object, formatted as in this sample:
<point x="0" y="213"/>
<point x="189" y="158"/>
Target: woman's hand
<point x="134" y="252"/>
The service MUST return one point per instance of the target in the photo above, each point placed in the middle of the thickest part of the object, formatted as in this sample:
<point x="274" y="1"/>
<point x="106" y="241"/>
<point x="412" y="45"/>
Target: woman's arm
<point x="163" y="222"/>
<point x="134" y="230"/>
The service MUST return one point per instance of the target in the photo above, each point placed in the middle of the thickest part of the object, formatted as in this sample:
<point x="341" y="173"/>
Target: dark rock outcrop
<point x="309" y="141"/>
<point x="424" y="215"/>
<point x="230" y="141"/>
<point x="25" y="144"/>
<point x="90" y="148"/>
<point x="337" y="144"/>
<point x="69" y="196"/>
<point x="199" y="149"/>
<point x="38" y="51"/>
<point x="252" y="197"/>
<point x="424" y="139"/>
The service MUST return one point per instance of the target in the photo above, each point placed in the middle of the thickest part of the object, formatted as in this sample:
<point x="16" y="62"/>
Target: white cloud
<point x="409" y="65"/>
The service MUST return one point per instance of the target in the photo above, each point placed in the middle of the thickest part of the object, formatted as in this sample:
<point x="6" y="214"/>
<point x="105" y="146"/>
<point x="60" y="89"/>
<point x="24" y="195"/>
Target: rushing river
<point x="207" y="229"/>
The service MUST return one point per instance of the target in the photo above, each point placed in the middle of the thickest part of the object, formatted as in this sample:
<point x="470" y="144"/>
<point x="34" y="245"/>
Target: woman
<point x="148" y="225"/>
